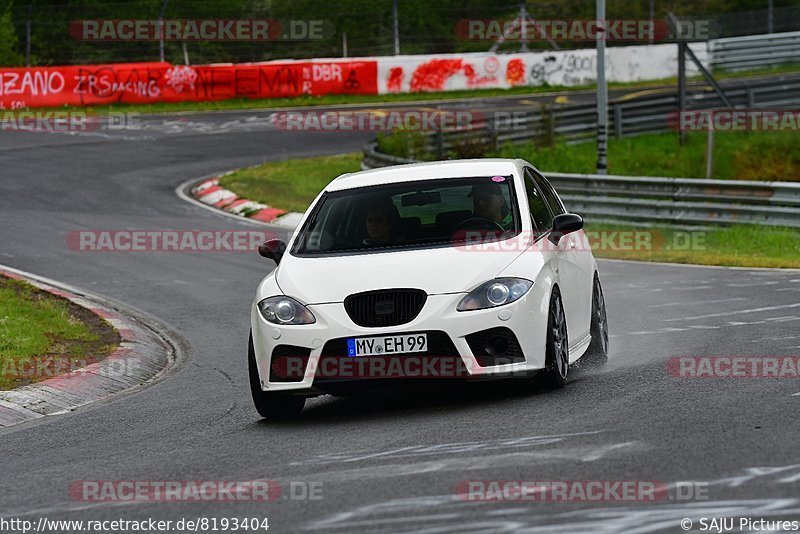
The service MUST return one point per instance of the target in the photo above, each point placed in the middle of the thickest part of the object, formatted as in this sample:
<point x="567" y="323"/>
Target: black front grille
<point x="385" y="307"/>
<point x="495" y="346"/>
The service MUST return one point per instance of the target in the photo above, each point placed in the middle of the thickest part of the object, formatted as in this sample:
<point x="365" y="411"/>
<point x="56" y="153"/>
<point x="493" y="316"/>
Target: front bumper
<point x="526" y="318"/>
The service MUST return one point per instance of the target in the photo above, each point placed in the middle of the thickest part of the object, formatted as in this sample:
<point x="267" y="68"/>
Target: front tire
<point x="557" y="344"/>
<point x="597" y="352"/>
<point x="273" y="406"/>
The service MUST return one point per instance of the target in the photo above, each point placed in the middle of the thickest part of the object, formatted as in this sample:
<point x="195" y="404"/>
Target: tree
<point x="9" y="51"/>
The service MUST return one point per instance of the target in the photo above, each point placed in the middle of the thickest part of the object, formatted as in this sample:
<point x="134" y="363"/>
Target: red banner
<point x="162" y="82"/>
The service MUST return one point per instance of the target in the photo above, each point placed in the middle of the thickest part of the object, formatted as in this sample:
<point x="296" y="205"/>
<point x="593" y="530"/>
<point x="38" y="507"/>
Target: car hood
<point x="317" y="280"/>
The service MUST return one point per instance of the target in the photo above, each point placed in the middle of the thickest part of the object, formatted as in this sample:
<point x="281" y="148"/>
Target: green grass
<point x="36" y="324"/>
<point x="331" y="100"/>
<point x="293" y="184"/>
<point x="736" y="246"/>
<point x="737" y="156"/>
<point x="290" y="184"/>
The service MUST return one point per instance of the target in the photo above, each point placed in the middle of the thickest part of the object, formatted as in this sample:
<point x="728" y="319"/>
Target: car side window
<point x="549" y="194"/>
<point x="540" y="214"/>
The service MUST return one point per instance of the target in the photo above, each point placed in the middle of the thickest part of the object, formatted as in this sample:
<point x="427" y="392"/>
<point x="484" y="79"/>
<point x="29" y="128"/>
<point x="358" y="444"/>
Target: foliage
<point x="404" y="144"/>
<point x="9" y="43"/>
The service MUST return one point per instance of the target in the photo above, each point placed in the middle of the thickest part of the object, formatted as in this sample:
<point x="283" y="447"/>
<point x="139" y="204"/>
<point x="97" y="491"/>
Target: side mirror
<point x="272" y="249"/>
<point x="564" y="224"/>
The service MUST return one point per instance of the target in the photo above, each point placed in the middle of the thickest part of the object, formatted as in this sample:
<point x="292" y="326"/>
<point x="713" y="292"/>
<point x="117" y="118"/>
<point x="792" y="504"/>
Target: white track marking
<point x="463" y="464"/>
<point x="777" y="338"/>
<point x="699" y="302"/>
<point x="736" y="312"/>
<point x="440" y="448"/>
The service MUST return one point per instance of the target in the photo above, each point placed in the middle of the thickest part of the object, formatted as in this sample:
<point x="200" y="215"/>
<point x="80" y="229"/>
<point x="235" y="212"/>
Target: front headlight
<point x="285" y="310"/>
<point x="495" y="293"/>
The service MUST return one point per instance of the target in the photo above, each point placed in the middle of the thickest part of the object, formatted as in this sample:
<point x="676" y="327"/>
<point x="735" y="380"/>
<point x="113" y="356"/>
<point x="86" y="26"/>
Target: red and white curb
<point x="210" y="193"/>
<point x="142" y="357"/>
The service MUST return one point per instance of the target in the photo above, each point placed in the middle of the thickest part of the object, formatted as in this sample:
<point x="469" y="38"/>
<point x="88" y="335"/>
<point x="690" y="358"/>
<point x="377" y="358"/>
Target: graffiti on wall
<point x="162" y="82"/>
<point x="568" y="68"/>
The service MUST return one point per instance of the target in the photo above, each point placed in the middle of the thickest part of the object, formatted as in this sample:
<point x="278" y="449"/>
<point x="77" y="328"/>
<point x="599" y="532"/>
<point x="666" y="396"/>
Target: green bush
<point x="405" y="144"/>
<point x="9" y="44"/>
<point x="471" y="147"/>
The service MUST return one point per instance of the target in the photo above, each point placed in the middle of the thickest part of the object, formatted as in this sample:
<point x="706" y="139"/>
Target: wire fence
<point x="777" y="20"/>
<point x="358" y="29"/>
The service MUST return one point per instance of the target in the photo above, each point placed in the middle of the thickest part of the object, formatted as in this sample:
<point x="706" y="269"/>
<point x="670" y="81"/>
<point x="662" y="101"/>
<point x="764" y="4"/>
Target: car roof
<point x="425" y="171"/>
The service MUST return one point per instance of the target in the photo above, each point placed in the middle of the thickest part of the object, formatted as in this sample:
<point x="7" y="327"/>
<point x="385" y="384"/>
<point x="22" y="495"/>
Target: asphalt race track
<point x="387" y="463"/>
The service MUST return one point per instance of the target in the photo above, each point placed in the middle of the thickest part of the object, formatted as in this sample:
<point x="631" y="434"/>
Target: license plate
<point x="382" y="345"/>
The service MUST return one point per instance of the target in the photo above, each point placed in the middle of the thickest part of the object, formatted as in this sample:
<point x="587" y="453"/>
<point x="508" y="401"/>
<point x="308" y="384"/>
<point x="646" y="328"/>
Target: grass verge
<point x="293" y="184"/>
<point x="43" y="335"/>
<point x="735" y="246"/>
<point x="290" y="184"/>
<point x="737" y="156"/>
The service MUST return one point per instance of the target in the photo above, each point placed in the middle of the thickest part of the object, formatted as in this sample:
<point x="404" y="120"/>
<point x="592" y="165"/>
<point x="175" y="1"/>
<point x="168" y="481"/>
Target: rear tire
<point x="557" y="344"/>
<point x="273" y="406"/>
<point x="597" y="353"/>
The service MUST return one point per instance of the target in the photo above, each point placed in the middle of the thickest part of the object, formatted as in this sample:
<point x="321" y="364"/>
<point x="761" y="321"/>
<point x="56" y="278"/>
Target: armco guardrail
<point x="736" y="53"/>
<point x="680" y="200"/>
<point x="683" y="201"/>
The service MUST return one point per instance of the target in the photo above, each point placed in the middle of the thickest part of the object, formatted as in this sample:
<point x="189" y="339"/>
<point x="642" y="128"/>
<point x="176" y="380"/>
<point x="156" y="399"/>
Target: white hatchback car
<point x="456" y="269"/>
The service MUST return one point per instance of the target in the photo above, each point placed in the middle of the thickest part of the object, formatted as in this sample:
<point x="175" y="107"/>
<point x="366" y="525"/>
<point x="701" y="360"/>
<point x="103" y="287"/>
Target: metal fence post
<point x="28" y="37"/>
<point x="770" y="25"/>
<point x="710" y="148"/>
<point x="491" y="132"/>
<point x="602" y="90"/>
<point x="617" y="120"/>
<point x="681" y="84"/>
<point x="396" y="24"/>
<point x="161" y="31"/>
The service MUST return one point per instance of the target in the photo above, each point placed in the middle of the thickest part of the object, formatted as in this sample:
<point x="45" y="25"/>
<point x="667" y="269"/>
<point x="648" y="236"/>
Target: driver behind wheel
<point x="489" y="203"/>
<point x="382" y="222"/>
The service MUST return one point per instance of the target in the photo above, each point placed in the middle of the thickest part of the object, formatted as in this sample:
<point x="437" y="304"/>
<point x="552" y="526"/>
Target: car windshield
<point x="425" y="213"/>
